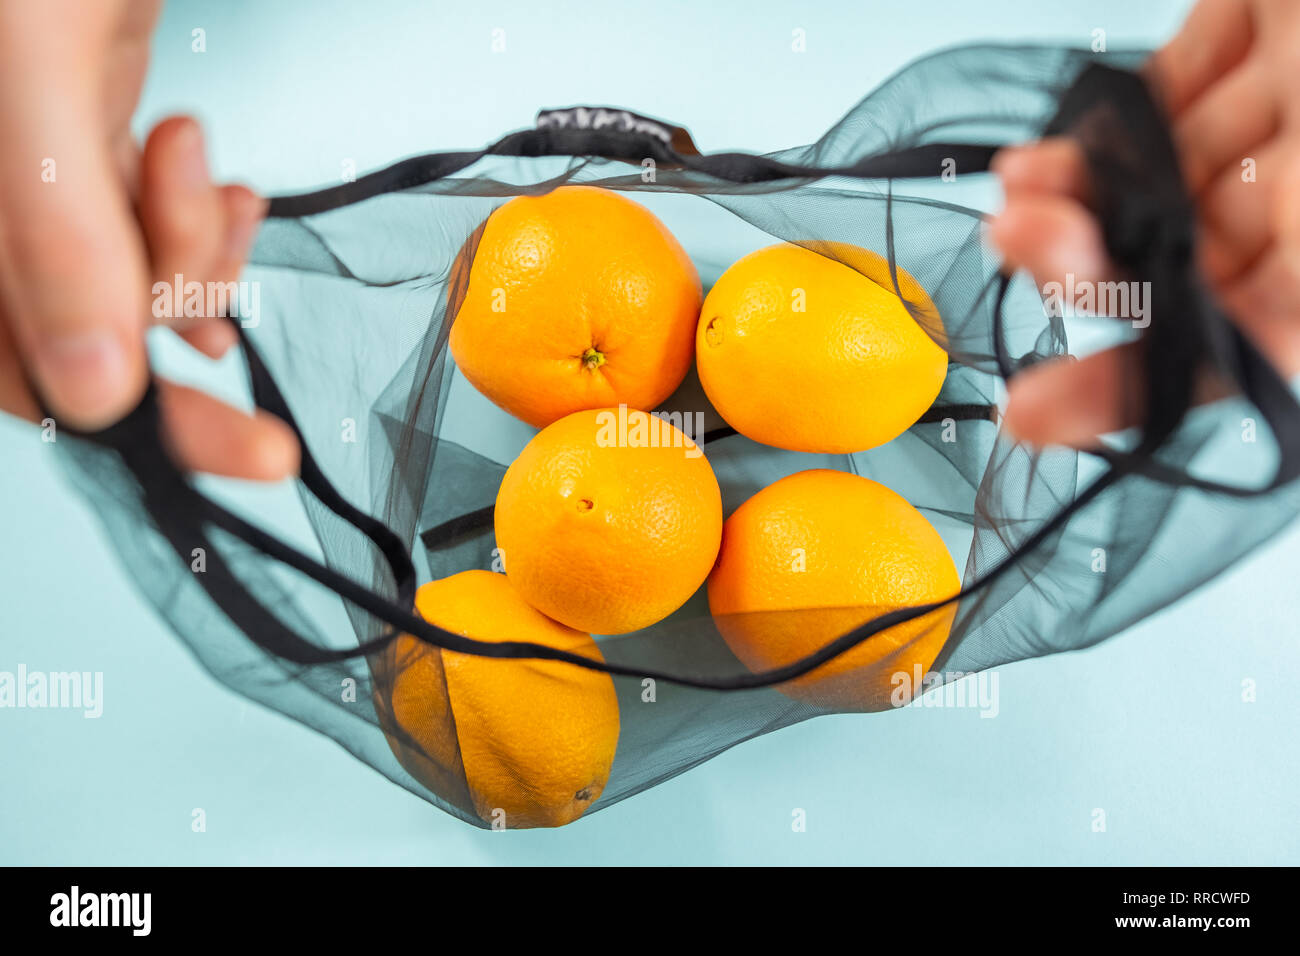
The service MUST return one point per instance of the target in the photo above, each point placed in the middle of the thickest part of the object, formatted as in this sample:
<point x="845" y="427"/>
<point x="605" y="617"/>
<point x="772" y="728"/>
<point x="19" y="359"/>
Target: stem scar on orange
<point x="580" y="298"/>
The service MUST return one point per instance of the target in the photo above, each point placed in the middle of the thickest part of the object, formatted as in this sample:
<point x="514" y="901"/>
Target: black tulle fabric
<point x="1062" y="549"/>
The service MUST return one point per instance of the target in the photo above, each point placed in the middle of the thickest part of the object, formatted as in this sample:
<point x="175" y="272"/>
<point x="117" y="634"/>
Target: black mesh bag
<point x="361" y="283"/>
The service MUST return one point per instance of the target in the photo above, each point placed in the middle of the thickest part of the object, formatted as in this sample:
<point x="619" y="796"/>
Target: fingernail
<point x="193" y="165"/>
<point x="84" y="374"/>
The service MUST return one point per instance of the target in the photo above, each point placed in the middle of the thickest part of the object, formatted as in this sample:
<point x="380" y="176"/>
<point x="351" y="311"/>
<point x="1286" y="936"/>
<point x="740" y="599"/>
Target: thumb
<point x="73" y="271"/>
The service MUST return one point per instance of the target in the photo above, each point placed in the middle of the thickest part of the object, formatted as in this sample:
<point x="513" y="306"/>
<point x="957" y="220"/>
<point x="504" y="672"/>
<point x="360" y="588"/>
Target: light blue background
<point x="1149" y="727"/>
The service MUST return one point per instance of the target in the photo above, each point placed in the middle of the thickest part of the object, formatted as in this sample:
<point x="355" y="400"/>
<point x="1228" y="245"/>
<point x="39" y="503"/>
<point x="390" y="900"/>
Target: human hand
<point x="81" y="239"/>
<point x="1226" y="81"/>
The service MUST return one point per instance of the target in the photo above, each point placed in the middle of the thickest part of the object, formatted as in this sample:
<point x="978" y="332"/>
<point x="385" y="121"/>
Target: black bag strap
<point x="634" y="139"/>
<point x="1148" y="225"/>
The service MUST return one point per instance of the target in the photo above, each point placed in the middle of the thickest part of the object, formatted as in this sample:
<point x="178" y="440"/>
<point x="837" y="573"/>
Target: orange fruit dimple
<point x="802" y="351"/>
<point x="536" y="738"/>
<point x="601" y="529"/>
<point x="813" y="556"/>
<point x="577" y="299"/>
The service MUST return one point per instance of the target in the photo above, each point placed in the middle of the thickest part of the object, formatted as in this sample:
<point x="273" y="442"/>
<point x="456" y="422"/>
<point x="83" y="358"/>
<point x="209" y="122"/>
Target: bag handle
<point x="576" y="132"/>
<point x="636" y="127"/>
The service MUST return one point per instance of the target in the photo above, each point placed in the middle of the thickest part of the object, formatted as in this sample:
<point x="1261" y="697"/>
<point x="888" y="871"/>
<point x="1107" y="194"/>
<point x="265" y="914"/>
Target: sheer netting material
<point x="360" y="284"/>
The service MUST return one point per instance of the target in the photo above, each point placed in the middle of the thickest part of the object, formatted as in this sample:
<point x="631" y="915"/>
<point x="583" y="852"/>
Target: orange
<point x="609" y="520"/>
<point x="577" y="299"/>
<point x="813" y="556"/>
<point x="535" y="738"/>
<point x="802" y="351"/>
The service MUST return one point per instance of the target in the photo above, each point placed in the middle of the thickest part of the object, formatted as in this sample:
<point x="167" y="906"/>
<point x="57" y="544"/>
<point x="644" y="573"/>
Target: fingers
<point x="1051" y="237"/>
<point x="244" y="211"/>
<point x="1055" y="165"/>
<point x="72" y="267"/>
<point x="72" y="274"/>
<point x="1066" y="402"/>
<point x="1265" y="302"/>
<point x="1266" y="305"/>
<point x="1216" y="36"/>
<point x="74" y="259"/>
<point x="209" y="436"/>
<point x="1237" y="213"/>
<point x="200" y="233"/>
<point x="205" y="434"/>
<point x="1072" y="403"/>
<point x="197" y="231"/>
<point x="1046" y="227"/>
<point x="181" y="210"/>
<point x="213" y="337"/>
<point x="126" y="63"/>
<point x="126" y="157"/>
<point x="1047" y="230"/>
<point x="1232" y="118"/>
